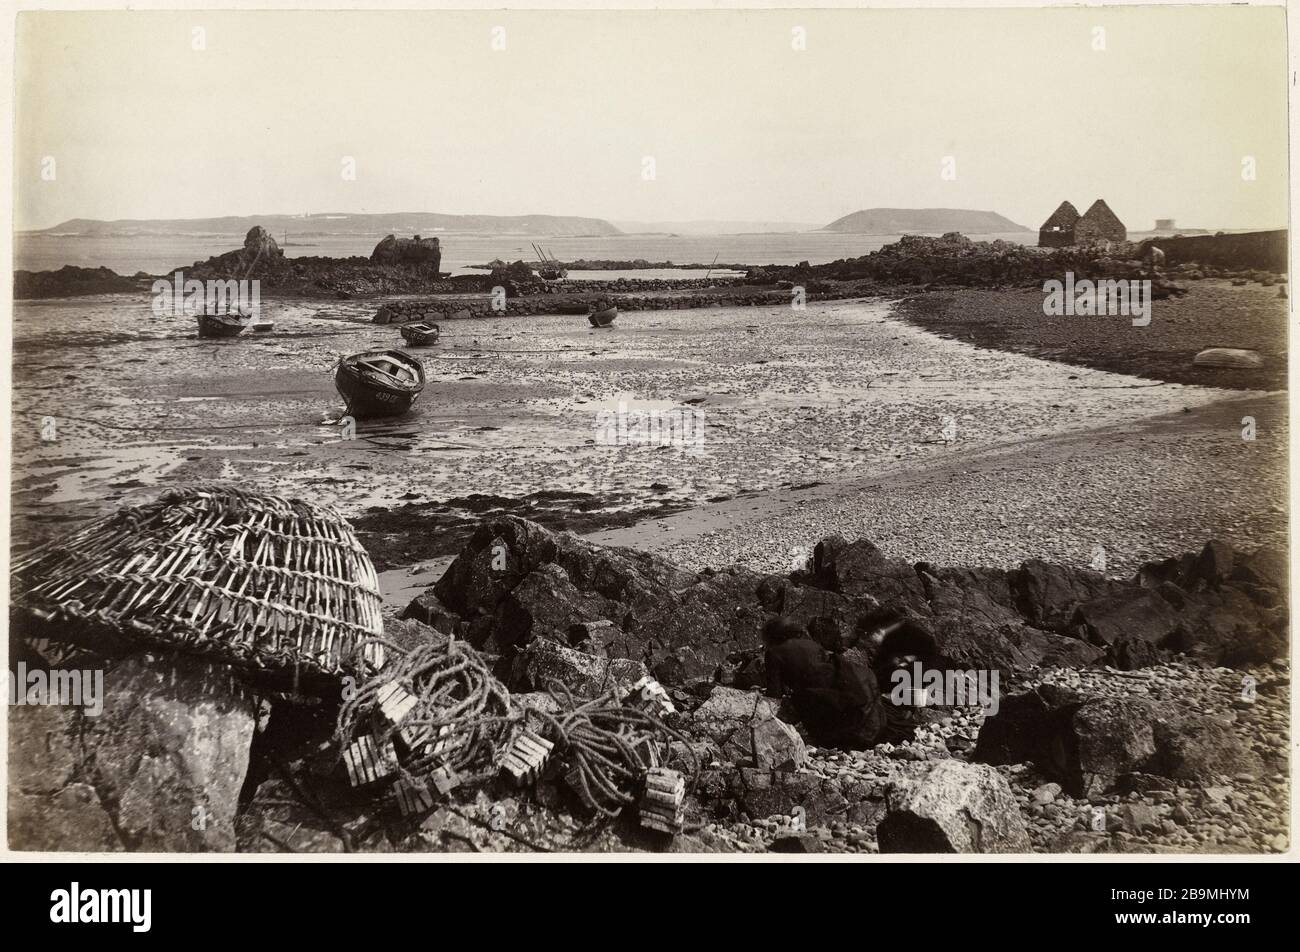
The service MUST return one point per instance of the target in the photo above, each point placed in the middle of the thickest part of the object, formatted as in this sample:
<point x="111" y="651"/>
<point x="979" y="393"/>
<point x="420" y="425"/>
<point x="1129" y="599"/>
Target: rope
<point x="463" y="717"/>
<point x="608" y="746"/>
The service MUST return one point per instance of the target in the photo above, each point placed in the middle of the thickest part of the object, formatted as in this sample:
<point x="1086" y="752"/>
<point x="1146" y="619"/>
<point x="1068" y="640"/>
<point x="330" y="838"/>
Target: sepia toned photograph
<point x="602" y="433"/>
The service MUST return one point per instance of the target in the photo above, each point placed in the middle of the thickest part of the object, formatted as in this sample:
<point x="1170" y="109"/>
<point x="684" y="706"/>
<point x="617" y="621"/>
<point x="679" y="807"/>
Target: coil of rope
<point x="463" y="717"/>
<point x="608" y="746"/>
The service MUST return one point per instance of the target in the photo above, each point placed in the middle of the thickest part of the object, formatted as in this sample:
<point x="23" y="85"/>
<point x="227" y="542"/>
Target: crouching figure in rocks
<point x="901" y="645"/>
<point x="836" y="699"/>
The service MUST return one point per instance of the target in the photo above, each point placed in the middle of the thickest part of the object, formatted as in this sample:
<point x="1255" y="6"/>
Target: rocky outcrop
<point x="1090" y="744"/>
<point x="412" y="252"/>
<point x="70" y="281"/>
<point x="159" y="769"/>
<point x="259" y="245"/>
<point x="953" y="807"/>
<point x="516" y="582"/>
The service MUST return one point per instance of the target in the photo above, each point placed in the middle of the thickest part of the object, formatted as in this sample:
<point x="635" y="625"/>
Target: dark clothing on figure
<point x="796" y="665"/>
<point x="837" y="701"/>
<point x="849" y="714"/>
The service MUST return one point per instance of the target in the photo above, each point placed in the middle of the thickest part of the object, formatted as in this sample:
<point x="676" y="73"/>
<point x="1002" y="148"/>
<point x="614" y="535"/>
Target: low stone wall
<point x="437" y="310"/>
<point x="1263" y="250"/>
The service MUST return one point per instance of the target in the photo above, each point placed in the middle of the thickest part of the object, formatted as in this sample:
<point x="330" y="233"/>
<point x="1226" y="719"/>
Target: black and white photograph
<point x="736" y="434"/>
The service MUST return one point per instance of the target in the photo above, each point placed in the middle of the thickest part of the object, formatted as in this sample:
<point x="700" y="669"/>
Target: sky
<point x="1018" y="108"/>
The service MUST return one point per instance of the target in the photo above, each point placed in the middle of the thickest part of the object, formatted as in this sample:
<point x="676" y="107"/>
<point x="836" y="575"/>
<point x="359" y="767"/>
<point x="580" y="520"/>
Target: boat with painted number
<point x="379" y="383"/>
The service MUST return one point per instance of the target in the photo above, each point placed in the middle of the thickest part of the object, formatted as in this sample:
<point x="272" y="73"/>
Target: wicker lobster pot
<point x="274" y="585"/>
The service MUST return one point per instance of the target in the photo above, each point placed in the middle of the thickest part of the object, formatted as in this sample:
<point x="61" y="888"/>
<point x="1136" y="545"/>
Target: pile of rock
<point x="1072" y="737"/>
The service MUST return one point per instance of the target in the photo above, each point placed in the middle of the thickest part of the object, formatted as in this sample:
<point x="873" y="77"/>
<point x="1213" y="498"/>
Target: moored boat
<point x="221" y="325"/>
<point x="419" y="335"/>
<point x="603" y="316"/>
<point x="379" y="382"/>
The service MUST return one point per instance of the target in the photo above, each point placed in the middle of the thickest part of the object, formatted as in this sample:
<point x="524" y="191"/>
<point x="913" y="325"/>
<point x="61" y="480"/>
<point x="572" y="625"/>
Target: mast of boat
<point x="710" y="271"/>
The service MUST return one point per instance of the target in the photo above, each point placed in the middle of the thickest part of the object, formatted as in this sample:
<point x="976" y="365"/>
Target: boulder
<point x="1201" y="748"/>
<point x="159" y="769"/>
<point x="746" y="729"/>
<point x="1092" y="746"/>
<point x="1024" y="728"/>
<point x="1105" y="739"/>
<point x="860" y="568"/>
<point x="1047" y="594"/>
<point x="796" y="843"/>
<point x="545" y="661"/>
<point x="1136" y="612"/>
<point x="953" y="807"/>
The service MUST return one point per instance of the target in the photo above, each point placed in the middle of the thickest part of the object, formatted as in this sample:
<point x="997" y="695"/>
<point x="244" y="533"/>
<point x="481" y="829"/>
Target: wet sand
<point x="838" y="391"/>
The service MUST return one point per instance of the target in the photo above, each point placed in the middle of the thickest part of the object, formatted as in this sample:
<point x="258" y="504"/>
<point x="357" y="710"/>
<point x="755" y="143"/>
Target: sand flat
<point x="836" y="391"/>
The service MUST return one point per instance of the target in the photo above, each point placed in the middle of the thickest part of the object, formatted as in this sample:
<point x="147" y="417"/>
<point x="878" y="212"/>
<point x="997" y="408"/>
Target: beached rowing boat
<point x="574" y="307"/>
<point x="379" y="382"/>
<point x="603" y="317"/>
<point x="221" y="325"/>
<point x="419" y="335"/>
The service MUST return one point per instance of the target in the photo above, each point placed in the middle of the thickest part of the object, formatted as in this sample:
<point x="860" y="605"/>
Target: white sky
<point x="740" y="125"/>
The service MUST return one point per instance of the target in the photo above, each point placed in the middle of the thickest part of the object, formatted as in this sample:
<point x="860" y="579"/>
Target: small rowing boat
<point x="379" y="382"/>
<point x="574" y="307"/>
<point x="603" y="316"/>
<point x="221" y="325"/>
<point x="420" y="335"/>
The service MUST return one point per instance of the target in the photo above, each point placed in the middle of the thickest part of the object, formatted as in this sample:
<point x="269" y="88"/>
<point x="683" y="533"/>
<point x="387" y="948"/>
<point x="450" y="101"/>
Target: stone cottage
<point x="1058" y="230"/>
<point x="1099" y="223"/>
<point x="1067" y="227"/>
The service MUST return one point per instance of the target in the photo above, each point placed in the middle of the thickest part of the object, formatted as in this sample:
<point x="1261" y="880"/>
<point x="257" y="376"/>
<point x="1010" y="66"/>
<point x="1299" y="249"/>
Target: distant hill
<point x="901" y="221"/>
<point x="399" y="223"/>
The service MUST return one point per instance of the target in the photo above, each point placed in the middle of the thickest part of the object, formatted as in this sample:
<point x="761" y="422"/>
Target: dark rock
<point x="1047" y="594"/>
<point x="1026" y="725"/>
<point x="1105" y="739"/>
<point x="1214" y="565"/>
<point x="424" y="252"/>
<point x="1200" y="748"/>
<point x="1132" y="613"/>
<point x="796" y="843"/>
<point x="1131" y="652"/>
<point x="516" y="581"/>
<point x="860" y="568"/>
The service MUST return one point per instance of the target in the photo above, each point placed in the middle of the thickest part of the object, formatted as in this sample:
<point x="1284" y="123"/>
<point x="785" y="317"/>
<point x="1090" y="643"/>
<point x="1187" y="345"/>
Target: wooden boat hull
<point x="603" y="318"/>
<point x="211" y="325"/>
<point x="420" y="335"/>
<point x="575" y="308"/>
<point x="367" y="396"/>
